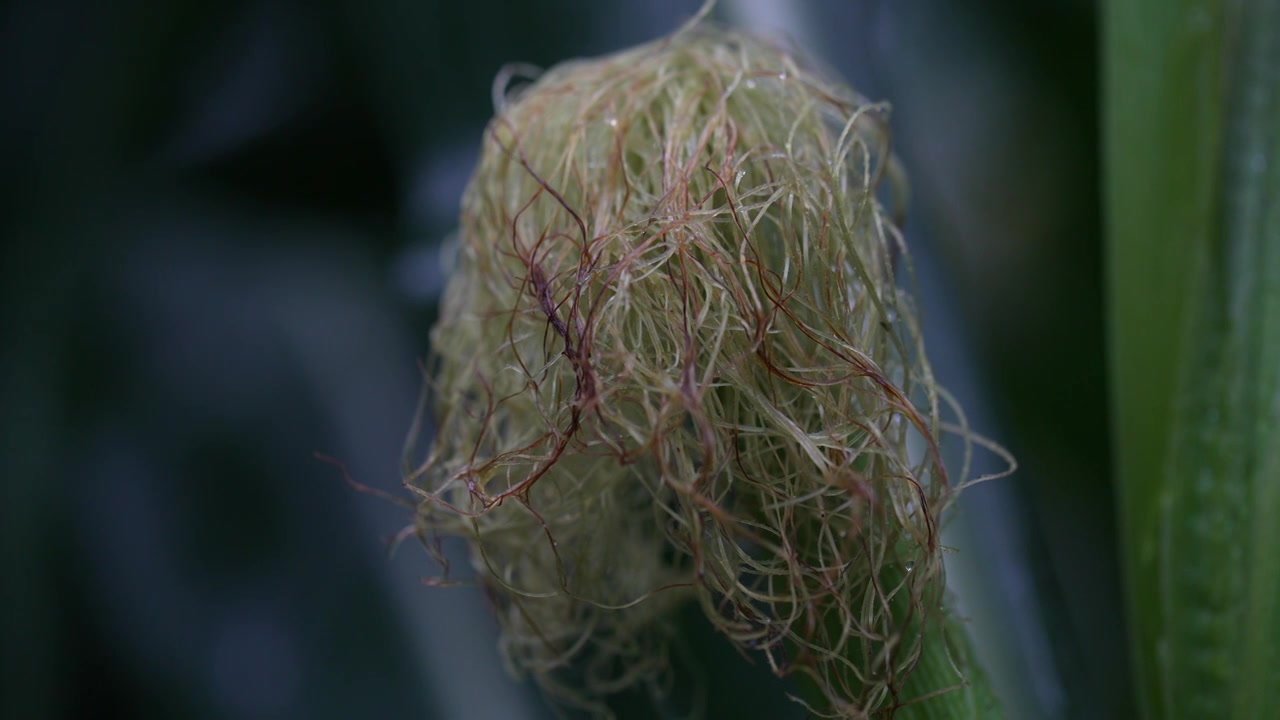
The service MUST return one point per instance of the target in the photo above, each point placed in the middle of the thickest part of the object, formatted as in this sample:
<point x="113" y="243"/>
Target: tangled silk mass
<point x="674" y="363"/>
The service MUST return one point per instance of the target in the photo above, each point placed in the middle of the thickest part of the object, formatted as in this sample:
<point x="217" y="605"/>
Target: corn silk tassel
<point x="673" y="362"/>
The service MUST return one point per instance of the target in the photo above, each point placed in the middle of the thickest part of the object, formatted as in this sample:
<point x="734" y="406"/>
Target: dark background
<point x="221" y="224"/>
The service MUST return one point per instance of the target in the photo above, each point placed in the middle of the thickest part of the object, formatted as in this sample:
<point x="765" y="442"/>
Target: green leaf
<point x="1192" y="122"/>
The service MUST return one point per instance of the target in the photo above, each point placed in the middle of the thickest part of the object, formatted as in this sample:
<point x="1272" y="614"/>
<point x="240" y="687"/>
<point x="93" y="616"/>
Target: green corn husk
<point x="1193" y="151"/>
<point x="673" y="364"/>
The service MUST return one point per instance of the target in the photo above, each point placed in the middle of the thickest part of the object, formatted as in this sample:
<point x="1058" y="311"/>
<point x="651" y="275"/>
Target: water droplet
<point x="910" y="566"/>
<point x="751" y="84"/>
<point x="783" y="75"/>
<point x="610" y="120"/>
<point x="741" y="174"/>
